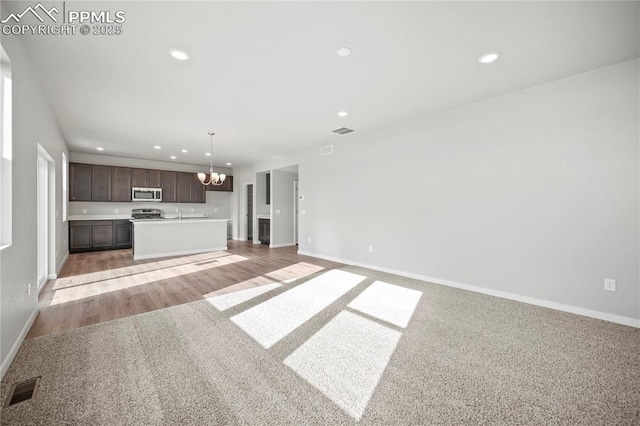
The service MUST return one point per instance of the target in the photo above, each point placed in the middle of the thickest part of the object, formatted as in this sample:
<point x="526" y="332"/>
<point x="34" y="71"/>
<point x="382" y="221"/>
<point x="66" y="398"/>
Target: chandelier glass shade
<point x="215" y="179"/>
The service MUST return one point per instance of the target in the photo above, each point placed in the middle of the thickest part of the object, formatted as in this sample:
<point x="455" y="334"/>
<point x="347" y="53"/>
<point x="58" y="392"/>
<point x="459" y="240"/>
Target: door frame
<point x="45" y="220"/>
<point x="295" y="211"/>
<point x="245" y="221"/>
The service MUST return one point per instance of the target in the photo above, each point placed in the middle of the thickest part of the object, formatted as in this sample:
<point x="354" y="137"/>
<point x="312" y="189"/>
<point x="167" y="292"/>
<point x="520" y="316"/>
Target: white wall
<point x="282" y="208"/>
<point x="533" y="194"/>
<point x="33" y="123"/>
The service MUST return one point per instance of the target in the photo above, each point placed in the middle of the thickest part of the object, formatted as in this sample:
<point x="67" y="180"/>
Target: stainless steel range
<point x="146" y="214"/>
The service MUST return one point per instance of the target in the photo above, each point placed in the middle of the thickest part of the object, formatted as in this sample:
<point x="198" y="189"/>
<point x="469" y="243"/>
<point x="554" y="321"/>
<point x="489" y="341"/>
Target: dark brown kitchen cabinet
<point x="264" y="231"/>
<point x="197" y="190"/>
<point x="227" y="185"/>
<point x="184" y="187"/>
<point x="79" y="182"/>
<point x="121" y="184"/>
<point x="102" y="234"/>
<point x="154" y="179"/>
<point x="122" y="234"/>
<point x="139" y="178"/>
<point x="79" y="236"/>
<point x="168" y="183"/>
<point x="101" y="183"/>
<point x="146" y="178"/>
<point x="95" y="235"/>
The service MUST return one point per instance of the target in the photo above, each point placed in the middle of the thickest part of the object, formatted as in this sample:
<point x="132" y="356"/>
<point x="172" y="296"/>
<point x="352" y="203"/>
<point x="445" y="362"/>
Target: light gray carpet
<point x="462" y="358"/>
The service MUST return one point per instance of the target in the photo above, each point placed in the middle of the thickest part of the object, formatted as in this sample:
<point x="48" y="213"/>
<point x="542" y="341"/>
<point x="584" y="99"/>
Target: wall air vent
<point x="326" y="150"/>
<point x="343" y="131"/>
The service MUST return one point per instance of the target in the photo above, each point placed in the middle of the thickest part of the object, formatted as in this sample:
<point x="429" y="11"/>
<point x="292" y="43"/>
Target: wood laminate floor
<point x="102" y="286"/>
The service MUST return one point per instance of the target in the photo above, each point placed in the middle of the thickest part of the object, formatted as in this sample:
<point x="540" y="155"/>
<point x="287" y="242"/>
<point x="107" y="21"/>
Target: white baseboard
<point x="55" y="276"/>
<point x="281" y="245"/>
<point x="16" y="345"/>
<point x="177" y="253"/>
<point x="632" y="322"/>
<point x="64" y="260"/>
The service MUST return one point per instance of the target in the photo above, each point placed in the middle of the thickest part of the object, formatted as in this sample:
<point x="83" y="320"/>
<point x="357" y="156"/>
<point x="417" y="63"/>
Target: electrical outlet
<point x="277" y="211"/>
<point x="176" y="210"/>
<point x="610" y="284"/>
<point x="192" y="210"/>
<point x="117" y="210"/>
<point x="370" y="249"/>
<point x="215" y="210"/>
<point x="84" y="211"/>
<point x="303" y="212"/>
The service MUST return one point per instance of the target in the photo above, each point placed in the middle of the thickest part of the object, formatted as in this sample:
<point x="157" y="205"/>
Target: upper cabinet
<point x="184" y="187"/>
<point x="101" y="183"/>
<point x="154" y="179"/>
<point x="226" y="186"/>
<point x="89" y="182"/>
<point x="121" y="184"/>
<point x="79" y="182"/>
<point x="168" y="183"/>
<point x="197" y="190"/>
<point x="143" y="178"/>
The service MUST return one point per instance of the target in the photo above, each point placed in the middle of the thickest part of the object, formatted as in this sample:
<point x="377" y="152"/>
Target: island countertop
<point x="175" y="219"/>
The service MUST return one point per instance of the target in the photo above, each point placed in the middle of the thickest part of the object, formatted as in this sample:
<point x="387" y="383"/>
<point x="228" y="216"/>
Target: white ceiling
<point x="266" y="78"/>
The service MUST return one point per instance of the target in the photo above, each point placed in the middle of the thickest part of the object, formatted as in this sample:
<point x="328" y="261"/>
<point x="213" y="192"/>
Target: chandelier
<point x="215" y="179"/>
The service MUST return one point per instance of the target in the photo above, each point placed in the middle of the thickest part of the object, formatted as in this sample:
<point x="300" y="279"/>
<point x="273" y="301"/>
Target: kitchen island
<point x="175" y="237"/>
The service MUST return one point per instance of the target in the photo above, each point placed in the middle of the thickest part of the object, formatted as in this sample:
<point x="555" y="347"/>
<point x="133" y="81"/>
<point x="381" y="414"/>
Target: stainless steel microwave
<point x="146" y="194"/>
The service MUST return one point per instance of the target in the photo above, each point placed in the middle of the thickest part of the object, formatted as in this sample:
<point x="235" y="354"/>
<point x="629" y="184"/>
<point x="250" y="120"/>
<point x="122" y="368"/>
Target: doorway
<point x="248" y="190"/>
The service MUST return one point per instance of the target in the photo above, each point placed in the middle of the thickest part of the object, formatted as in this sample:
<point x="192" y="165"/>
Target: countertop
<point x="195" y="219"/>
<point x="100" y="216"/>
<point x="128" y="217"/>
<point x="263" y="216"/>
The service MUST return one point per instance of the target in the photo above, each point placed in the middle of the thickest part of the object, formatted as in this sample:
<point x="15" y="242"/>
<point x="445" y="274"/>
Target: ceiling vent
<point x="343" y="131"/>
<point x="326" y="150"/>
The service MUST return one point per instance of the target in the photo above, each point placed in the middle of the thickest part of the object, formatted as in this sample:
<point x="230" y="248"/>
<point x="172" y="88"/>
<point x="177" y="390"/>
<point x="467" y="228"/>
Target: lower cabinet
<point x="94" y="235"/>
<point x="122" y="234"/>
<point x="264" y="231"/>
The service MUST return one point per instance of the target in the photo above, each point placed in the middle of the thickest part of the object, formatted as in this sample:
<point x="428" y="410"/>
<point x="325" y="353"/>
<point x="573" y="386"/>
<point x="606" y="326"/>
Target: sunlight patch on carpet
<point x="275" y="318"/>
<point x="346" y="359"/>
<point x="387" y="302"/>
<point x="226" y="301"/>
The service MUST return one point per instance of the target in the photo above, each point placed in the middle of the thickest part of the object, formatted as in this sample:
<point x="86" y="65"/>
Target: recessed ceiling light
<point x="157" y="146"/>
<point x="173" y="157"/>
<point x="343" y="52"/>
<point x="228" y="164"/>
<point x="100" y="148"/>
<point x="208" y="154"/>
<point x="180" y="55"/>
<point x="487" y="58"/>
<point x="185" y="151"/>
<point x="343" y="113"/>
